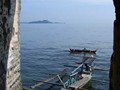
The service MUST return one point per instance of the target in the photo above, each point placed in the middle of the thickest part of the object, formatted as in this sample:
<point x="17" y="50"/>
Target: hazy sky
<point x="69" y="11"/>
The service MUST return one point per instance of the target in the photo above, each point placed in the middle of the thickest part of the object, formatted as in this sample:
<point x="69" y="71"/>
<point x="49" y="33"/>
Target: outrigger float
<point x="80" y="75"/>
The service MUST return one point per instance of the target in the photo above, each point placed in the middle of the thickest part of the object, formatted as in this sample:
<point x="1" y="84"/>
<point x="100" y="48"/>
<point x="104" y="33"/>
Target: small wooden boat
<point x="79" y="84"/>
<point x="76" y="80"/>
<point x="71" y="78"/>
<point x="73" y="81"/>
<point x="80" y="76"/>
<point x="83" y="50"/>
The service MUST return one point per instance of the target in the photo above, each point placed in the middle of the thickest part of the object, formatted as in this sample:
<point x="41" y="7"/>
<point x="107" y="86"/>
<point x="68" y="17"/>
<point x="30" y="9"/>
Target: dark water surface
<point x="45" y="49"/>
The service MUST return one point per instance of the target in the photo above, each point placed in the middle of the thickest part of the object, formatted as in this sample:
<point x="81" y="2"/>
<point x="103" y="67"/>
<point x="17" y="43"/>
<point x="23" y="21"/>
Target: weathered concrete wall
<point x="115" y="59"/>
<point x="9" y="45"/>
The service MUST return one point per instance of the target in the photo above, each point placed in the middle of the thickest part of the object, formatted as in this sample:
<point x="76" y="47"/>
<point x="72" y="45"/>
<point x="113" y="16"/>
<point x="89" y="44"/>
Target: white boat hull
<point x="80" y="83"/>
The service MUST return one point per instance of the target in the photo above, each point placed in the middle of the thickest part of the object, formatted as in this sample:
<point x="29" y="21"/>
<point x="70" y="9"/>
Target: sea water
<point x="45" y="50"/>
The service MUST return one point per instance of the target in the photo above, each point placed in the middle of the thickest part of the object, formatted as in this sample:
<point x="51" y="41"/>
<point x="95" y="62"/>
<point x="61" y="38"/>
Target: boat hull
<point x="79" y="84"/>
<point x="80" y="51"/>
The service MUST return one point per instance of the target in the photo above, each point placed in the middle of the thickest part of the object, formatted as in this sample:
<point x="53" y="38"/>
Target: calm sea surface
<point x="45" y="49"/>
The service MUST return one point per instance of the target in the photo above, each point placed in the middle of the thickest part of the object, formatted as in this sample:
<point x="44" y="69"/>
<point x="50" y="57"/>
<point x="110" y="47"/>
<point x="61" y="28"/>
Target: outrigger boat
<point x="83" y="50"/>
<point x="74" y="80"/>
<point x="77" y="79"/>
<point x="80" y="76"/>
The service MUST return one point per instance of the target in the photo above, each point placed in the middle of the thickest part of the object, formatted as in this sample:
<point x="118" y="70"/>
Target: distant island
<point x="42" y="22"/>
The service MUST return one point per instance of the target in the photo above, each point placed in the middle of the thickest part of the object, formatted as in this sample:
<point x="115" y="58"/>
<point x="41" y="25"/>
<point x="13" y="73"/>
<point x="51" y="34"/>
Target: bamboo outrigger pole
<point x="48" y="80"/>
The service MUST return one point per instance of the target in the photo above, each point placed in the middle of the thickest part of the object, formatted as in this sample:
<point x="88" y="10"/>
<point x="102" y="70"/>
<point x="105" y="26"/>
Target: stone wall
<point x="9" y="45"/>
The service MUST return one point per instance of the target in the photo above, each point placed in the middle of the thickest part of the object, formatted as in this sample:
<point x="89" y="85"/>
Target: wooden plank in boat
<point x="79" y="84"/>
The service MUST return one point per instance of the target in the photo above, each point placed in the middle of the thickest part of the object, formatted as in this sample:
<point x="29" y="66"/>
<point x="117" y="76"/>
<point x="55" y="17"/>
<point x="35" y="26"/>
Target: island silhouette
<point x="42" y="22"/>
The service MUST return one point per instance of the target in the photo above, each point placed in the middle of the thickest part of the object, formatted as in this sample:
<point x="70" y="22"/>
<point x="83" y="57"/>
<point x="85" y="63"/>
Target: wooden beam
<point x="41" y="83"/>
<point x="48" y="80"/>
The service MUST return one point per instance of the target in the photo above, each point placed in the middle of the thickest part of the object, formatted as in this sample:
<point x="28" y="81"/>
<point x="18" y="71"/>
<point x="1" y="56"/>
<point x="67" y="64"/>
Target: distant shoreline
<point x="42" y="22"/>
